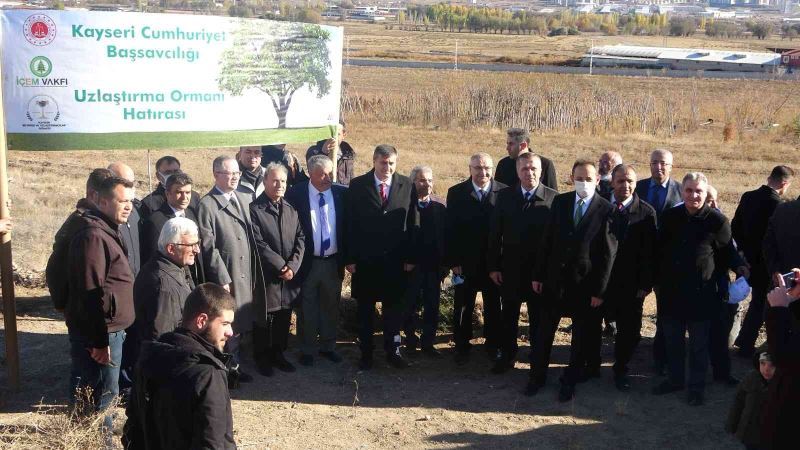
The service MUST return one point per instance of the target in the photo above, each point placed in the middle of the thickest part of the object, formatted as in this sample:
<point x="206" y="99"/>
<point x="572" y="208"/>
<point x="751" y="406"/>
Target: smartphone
<point x="789" y="280"/>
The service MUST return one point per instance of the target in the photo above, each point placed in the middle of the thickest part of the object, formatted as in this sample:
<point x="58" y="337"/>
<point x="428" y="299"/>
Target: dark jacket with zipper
<point x="180" y="398"/>
<point x="100" y="282"/>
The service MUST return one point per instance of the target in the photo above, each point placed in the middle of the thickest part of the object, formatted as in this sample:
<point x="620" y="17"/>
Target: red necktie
<point x="383" y="192"/>
<point x="620" y="207"/>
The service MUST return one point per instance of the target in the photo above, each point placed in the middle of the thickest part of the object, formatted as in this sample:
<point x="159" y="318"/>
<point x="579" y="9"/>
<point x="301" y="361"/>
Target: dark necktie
<point x="527" y="203"/>
<point x="325" y="236"/>
<point x="578" y="212"/>
<point x="383" y="192"/>
<point x="423" y="205"/>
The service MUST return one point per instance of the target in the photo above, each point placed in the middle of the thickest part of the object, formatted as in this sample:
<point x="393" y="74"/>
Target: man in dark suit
<point x="469" y="210"/>
<point x="165" y="167"/>
<point x="380" y="205"/>
<point x="749" y="226"/>
<point x="692" y="241"/>
<point x="518" y="142"/>
<point x="634" y="225"/>
<point x="662" y="193"/>
<point x="608" y="161"/>
<point x="320" y="205"/>
<point x="428" y="249"/>
<point x="518" y="222"/>
<point x="178" y="194"/>
<point x="571" y="276"/>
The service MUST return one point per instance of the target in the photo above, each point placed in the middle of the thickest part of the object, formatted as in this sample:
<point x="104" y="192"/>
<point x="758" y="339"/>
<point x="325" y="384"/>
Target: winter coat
<point x="744" y="418"/>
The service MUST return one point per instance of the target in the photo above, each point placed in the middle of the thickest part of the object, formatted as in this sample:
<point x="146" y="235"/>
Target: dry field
<point x="434" y="404"/>
<point x="366" y="40"/>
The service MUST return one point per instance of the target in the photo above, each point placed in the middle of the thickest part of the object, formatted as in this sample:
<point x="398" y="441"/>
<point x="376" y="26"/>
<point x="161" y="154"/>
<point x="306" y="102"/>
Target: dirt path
<point x="433" y="404"/>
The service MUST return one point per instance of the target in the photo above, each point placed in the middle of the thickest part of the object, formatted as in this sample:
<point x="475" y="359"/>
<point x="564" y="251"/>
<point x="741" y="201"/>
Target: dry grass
<point x="376" y="41"/>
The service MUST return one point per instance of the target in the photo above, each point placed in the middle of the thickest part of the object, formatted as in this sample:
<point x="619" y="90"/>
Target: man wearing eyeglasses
<point x="662" y="193"/>
<point x="228" y="249"/>
<point x="163" y="284"/>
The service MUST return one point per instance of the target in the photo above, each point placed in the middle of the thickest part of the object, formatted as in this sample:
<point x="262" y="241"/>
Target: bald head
<point x="607" y="162"/>
<point x="122" y="170"/>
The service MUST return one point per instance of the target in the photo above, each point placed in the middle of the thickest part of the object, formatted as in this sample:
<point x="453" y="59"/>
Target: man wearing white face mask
<point x="571" y="275"/>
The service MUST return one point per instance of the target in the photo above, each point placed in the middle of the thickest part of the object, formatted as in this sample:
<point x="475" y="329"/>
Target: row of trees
<point x="445" y="17"/>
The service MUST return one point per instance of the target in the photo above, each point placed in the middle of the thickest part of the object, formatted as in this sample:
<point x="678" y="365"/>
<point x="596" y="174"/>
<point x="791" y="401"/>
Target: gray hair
<point x="482" y="155"/>
<point x="172" y="231"/>
<point x="216" y="166"/>
<point x="661" y="152"/>
<point x="318" y="161"/>
<point x="383" y="151"/>
<point x="275" y="167"/>
<point x="417" y="169"/>
<point x="698" y="177"/>
<point x="519" y="135"/>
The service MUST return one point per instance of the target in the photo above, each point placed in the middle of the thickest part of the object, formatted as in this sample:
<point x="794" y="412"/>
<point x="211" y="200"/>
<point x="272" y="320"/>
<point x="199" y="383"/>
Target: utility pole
<point x="455" y="66"/>
<point x="591" y="57"/>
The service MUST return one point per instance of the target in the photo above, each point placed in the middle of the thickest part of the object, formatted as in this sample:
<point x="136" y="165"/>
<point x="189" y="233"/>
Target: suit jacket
<point x="378" y="236"/>
<point x="151" y="230"/>
<point x="576" y="261"/>
<point x="635" y="231"/>
<point x="782" y="240"/>
<point x="673" y="194"/>
<point x="468" y="227"/>
<point x="506" y="172"/>
<point x="159" y="293"/>
<point x="749" y="226"/>
<point x="604" y="188"/>
<point x="280" y="242"/>
<point x="690" y="250"/>
<point x="515" y="236"/>
<point x="428" y="241"/>
<point x="131" y="238"/>
<point x="228" y="249"/>
<point x="298" y="197"/>
<point x="154" y="200"/>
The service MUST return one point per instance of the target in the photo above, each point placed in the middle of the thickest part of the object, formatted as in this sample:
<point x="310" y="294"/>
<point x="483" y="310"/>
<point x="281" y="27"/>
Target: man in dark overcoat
<point x="378" y="232"/>
<point x="518" y="223"/>
<point x="571" y="276"/>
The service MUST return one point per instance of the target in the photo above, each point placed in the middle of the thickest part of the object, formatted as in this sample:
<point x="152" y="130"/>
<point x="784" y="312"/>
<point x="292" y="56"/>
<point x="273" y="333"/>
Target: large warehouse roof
<point x="673" y="53"/>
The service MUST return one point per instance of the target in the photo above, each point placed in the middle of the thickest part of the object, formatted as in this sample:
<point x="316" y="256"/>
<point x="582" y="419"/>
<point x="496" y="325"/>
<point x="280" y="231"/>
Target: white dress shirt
<point x="178" y="212"/>
<point x="329" y="212"/>
<point x="625" y="204"/>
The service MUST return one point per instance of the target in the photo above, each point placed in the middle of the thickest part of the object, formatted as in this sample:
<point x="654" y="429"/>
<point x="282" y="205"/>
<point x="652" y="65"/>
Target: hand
<point x="350" y="268"/>
<point x="227" y="287"/>
<point x="596" y="302"/>
<point x="408" y="267"/>
<point x="781" y="296"/>
<point x="776" y="279"/>
<point x="101" y="356"/>
<point x="457" y="270"/>
<point x="286" y="274"/>
<point x="743" y="271"/>
<point x="537" y="286"/>
<point x="330" y="145"/>
<point x="497" y="277"/>
<point x="5" y="225"/>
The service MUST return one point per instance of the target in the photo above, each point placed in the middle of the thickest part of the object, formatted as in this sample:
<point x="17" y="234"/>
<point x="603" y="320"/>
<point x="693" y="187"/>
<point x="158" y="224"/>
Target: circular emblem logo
<point x="43" y="108"/>
<point x="41" y="66"/>
<point x="39" y="30"/>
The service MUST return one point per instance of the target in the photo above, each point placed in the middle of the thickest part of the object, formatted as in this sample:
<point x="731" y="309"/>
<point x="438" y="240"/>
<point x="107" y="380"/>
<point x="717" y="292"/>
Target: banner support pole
<point x="6" y="262"/>
<point x="149" y="173"/>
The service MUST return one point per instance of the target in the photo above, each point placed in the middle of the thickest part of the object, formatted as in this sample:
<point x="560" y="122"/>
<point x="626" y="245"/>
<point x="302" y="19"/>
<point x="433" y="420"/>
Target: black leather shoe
<point x="729" y="380"/>
<point x="695" y="398"/>
<point x="280" y="363"/>
<point x="462" y="358"/>
<point x="532" y="388"/>
<point x="306" y="360"/>
<point x="332" y="356"/>
<point x="566" y="393"/>
<point x="397" y="361"/>
<point x="623" y="383"/>
<point x="666" y="388"/>
<point x="502" y="366"/>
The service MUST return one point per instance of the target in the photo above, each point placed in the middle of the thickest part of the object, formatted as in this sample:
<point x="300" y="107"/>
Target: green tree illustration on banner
<point x="277" y="58"/>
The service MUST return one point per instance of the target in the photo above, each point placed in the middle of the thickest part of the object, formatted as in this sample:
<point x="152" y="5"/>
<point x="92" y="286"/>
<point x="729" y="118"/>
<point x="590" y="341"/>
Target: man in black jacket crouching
<point x="180" y="399"/>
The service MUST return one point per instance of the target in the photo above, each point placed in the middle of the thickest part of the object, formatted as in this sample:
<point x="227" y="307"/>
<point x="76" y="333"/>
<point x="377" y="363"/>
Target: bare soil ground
<point x="433" y="404"/>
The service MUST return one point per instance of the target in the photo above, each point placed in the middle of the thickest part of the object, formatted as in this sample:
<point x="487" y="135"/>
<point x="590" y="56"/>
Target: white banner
<point x="130" y="80"/>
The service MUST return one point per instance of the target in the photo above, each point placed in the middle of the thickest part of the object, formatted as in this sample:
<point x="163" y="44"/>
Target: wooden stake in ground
<point x="335" y="151"/>
<point x="6" y="269"/>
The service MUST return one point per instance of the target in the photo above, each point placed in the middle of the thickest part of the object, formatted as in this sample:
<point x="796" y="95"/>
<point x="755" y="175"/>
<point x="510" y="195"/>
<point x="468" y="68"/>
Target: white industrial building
<point x="680" y="58"/>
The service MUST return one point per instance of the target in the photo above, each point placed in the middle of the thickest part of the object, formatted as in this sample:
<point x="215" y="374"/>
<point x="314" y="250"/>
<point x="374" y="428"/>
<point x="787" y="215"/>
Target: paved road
<point x="571" y="70"/>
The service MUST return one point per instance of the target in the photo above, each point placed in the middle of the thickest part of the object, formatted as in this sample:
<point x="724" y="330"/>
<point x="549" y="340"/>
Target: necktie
<point x="234" y="204"/>
<point x="423" y="205"/>
<point x="578" y="212"/>
<point x="620" y="206"/>
<point x="480" y="195"/>
<point x="325" y="234"/>
<point x="527" y="203"/>
<point x="383" y="192"/>
<point x="527" y="196"/>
